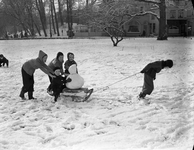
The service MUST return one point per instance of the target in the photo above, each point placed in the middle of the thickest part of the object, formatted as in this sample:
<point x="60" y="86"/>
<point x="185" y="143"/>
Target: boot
<point x="30" y="95"/>
<point x="142" y="95"/>
<point x="22" y="95"/>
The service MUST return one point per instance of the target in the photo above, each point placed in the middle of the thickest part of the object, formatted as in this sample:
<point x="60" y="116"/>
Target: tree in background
<point x="60" y="11"/>
<point x="55" y="15"/>
<point x="21" y="15"/>
<point x="69" y="19"/>
<point x="110" y="16"/>
<point x="41" y="11"/>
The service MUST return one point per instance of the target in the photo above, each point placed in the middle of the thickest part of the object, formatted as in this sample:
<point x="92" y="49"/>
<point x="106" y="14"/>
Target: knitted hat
<point x="59" y="54"/>
<point x="56" y="68"/>
<point x="69" y="54"/>
<point x="168" y="63"/>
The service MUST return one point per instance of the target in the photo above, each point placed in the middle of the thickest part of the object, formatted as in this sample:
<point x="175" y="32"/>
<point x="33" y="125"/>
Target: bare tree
<point x="110" y="17"/>
<point x="60" y="11"/>
<point x="113" y="14"/>
<point x="52" y="21"/>
<point x="23" y="14"/>
<point x="41" y="10"/>
<point x="70" y="18"/>
<point x="55" y="15"/>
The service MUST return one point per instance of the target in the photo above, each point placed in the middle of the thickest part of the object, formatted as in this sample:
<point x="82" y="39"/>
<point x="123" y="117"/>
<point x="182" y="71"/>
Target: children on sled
<point x="28" y="70"/>
<point x="71" y="81"/>
<point x="150" y="71"/>
<point x="3" y="61"/>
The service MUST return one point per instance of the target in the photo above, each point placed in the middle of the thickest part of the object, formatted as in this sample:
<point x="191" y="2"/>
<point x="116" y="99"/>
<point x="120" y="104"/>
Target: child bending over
<point x="150" y="71"/>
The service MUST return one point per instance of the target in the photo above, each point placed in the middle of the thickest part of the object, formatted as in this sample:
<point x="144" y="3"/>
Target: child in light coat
<point x="28" y="70"/>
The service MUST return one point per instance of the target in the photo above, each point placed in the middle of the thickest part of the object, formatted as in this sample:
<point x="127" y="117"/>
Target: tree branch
<point x="150" y="1"/>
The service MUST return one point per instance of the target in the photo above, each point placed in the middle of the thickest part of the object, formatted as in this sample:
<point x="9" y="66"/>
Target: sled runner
<point x="78" y="95"/>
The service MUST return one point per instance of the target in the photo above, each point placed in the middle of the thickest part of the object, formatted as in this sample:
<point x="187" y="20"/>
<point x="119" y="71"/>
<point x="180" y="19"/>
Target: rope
<point x="107" y="87"/>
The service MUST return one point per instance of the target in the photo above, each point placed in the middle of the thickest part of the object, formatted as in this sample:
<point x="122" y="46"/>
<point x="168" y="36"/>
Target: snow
<point x="113" y="119"/>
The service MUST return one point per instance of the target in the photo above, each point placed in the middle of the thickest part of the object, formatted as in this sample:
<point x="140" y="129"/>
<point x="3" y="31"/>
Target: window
<point x="141" y="9"/>
<point x="133" y="26"/>
<point x="173" y="14"/>
<point x="181" y="13"/>
<point x="154" y="27"/>
<point x="152" y="16"/>
<point x="150" y="28"/>
<point x="173" y="27"/>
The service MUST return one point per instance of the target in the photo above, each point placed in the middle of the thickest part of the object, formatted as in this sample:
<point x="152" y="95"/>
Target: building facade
<point x="180" y="20"/>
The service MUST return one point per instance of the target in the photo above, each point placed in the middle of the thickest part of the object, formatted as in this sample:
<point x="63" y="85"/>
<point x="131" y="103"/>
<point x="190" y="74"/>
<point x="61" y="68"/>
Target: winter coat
<point x="3" y="59"/>
<point x="152" y="68"/>
<point x="31" y="65"/>
<point x="56" y="63"/>
<point x="68" y="63"/>
<point x="58" y="83"/>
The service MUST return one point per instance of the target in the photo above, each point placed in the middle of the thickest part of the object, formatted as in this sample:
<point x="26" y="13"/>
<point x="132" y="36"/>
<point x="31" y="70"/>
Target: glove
<point x="68" y="80"/>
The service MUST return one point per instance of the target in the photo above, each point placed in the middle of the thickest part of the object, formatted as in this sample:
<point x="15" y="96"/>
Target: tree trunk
<point x="60" y="12"/>
<point x="162" y="22"/>
<point x="38" y="30"/>
<point x="42" y="9"/>
<point x="52" y="17"/>
<point x="31" y="22"/>
<point x="50" y="26"/>
<point x="69" y="19"/>
<point x="56" y="20"/>
<point x="38" y="5"/>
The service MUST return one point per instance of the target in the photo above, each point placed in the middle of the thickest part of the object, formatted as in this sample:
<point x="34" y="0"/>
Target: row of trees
<point x="107" y="15"/>
<point x="35" y="15"/>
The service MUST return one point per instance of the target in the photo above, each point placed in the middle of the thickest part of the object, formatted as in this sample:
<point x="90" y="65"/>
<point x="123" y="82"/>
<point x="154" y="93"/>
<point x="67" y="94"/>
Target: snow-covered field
<point x="113" y="119"/>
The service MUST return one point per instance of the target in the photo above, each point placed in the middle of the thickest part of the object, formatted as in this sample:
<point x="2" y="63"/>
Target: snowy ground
<point x="113" y="120"/>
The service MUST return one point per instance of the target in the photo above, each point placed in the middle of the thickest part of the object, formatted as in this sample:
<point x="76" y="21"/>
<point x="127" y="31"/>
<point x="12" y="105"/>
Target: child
<point x="150" y="74"/>
<point x="28" y="70"/>
<point x="3" y="61"/>
<point x="58" y="83"/>
<point x="56" y="62"/>
<point x="69" y="62"/>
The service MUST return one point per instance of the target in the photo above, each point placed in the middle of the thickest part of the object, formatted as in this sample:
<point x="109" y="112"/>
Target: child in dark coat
<point x="56" y="62"/>
<point x="3" y="61"/>
<point x="70" y="61"/>
<point x="150" y="74"/>
<point x="58" y="83"/>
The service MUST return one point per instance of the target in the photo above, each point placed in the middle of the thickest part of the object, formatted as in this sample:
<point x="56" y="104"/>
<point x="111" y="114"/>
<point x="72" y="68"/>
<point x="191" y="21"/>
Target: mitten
<point x="68" y="80"/>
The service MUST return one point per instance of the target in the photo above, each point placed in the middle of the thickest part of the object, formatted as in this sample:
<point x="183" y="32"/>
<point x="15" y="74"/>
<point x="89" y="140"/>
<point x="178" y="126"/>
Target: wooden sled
<point x="78" y="95"/>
